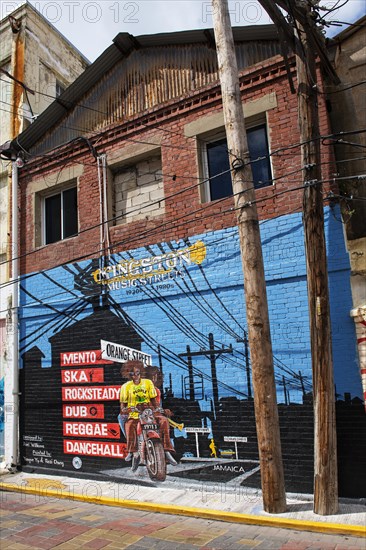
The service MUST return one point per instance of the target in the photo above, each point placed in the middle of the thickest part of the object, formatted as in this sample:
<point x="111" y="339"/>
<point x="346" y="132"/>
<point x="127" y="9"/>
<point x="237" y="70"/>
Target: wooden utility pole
<point x="325" y="442"/>
<point x="266" y="413"/>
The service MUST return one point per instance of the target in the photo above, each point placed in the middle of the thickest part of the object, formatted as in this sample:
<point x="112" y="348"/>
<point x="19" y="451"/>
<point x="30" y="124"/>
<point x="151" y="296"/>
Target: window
<point x="139" y="190"/>
<point x="60" y="216"/>
<point x="59" y="88"/>
<point x="217" y="160"/>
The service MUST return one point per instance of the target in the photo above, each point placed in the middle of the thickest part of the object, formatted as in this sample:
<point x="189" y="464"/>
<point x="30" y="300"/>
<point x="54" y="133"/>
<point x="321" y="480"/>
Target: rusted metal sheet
<point x="148" y="77"/>
<point x="17" y="70"/>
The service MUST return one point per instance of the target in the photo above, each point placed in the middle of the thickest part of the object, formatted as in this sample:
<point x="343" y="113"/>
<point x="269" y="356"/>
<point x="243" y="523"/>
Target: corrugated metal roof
<point x="241" y="34"/>
<point x="196" y="68"/>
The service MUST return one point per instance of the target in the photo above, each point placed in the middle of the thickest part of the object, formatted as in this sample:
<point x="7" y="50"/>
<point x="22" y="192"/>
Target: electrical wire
<point x="348" y="87"/>
<point x="165" y="224"/>
<point x="341" y="23"/>
<point x="175" y="316"/>
<point x="291" y="373"/>
<point x="200" y="183"/>
<point x="142" y="235"/>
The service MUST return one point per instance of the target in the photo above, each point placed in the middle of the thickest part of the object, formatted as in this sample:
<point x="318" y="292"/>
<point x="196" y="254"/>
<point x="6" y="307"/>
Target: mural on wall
<point x="178" y="306"/>
<point x="2" y="407"/>
<point x="3" y="356"/>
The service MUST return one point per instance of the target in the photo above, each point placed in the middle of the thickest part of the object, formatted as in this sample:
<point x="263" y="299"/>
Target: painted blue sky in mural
<point x="175" y="294"/>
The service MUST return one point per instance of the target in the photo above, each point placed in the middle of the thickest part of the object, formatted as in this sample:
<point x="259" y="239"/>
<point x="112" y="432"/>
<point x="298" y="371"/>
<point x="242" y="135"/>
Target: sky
<point x="91" y="25"/>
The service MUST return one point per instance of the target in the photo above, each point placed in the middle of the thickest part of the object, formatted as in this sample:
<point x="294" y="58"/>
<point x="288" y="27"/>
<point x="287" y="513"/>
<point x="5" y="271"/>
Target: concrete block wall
<point x="138" y="190"/>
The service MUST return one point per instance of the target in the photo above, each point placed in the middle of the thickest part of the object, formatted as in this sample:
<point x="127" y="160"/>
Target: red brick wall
<point x="184" y="215"/>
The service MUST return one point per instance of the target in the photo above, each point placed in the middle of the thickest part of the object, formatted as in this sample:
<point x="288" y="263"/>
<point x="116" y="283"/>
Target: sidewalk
<point x="215" y="502"/>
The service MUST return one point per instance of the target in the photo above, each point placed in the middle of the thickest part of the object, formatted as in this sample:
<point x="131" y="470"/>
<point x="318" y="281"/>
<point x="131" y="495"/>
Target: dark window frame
<point x="210" y="193"/>
<point x="65" y="228"/>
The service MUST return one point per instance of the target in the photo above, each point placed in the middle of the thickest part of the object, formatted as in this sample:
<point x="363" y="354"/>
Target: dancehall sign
<point x="83" y="370"/>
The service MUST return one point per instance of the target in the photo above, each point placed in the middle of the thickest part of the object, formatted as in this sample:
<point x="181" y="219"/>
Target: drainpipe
<point x="11" y="389"/>
<point x="105" y="206"/>
<point x="359" y="317"/>
<point x="15" y="304"/>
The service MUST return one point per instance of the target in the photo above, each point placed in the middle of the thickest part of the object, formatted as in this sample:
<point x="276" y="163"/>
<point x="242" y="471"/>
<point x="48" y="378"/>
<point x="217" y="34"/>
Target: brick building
<point x="129" y="244"/>
<point x="348" y="114"/>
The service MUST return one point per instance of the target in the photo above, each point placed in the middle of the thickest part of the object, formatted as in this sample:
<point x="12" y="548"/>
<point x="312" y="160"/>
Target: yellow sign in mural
<point x="151" y="269"/>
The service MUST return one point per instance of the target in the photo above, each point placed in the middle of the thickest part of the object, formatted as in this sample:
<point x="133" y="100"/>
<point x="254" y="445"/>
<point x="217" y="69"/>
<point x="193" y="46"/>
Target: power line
<point x="142" y="235"/>
<point x="98" y="132"/>
<point x="164" y="224"/>
<point x="236" y="365"/>
<point x="200" y="183"/>
<point x="343" y="89"/>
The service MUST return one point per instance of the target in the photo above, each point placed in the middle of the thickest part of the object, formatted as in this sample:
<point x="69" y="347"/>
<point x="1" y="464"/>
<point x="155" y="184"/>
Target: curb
<point x="233" y="517"/>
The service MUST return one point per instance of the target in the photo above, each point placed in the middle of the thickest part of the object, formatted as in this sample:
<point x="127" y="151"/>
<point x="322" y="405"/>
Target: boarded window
<point x="139" y="191"/>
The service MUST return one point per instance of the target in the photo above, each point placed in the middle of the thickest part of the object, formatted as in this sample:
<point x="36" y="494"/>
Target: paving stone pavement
<point x="38" y="522"/>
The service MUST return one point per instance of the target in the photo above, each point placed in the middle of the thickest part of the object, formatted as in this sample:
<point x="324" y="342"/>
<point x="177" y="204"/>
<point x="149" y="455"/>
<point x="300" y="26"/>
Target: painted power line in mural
<point x="178" y="307"/>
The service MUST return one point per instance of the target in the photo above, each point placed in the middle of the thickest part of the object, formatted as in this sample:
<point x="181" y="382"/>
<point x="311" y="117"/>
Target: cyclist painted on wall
<point x="141" y="391"/>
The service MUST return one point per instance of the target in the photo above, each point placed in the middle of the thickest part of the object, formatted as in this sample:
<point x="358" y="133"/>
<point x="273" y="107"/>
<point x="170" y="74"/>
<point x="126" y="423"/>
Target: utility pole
<point x="325" y="438"/>
<point x="285" y="390"/>
<point x="302" y="386"/>
<point x="265" y="404"/>
<point x="190" y="374"/>
<point x="212" y="353"/>
<point x="247" y="365"/>
<point x="160" y="362"/>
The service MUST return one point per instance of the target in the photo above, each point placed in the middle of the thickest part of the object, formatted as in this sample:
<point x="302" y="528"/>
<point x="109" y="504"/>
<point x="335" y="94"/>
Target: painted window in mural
<point x="60" y="216"/>
<point x="218" y="163"/>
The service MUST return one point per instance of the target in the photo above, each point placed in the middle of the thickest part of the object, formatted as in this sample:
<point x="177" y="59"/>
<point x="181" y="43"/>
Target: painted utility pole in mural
<point x="212" y="354"/>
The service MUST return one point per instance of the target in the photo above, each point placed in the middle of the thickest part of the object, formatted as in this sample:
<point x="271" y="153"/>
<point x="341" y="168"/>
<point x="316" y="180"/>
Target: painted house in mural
<point x="40" y="57"/>
<point x="130" y="248"/>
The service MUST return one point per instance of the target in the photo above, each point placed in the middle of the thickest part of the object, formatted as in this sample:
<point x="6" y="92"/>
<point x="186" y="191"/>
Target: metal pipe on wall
<point x="14" y="365"/>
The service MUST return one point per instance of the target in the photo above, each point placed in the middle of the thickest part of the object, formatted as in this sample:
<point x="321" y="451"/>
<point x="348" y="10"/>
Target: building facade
<point x="37" y="63"/>
<point x="130" y="249"/>
<point x="348" y="115"/>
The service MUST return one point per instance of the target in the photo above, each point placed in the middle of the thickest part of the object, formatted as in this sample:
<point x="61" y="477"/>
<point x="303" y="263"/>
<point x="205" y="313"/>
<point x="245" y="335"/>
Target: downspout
<point x="12" y="401"/>
<point x="13" y="459"/>
<point x="104" y="231"/>
<point x="105" y="207"/>
<point x="101" y="236"/>
<point x="359" y="316"/>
